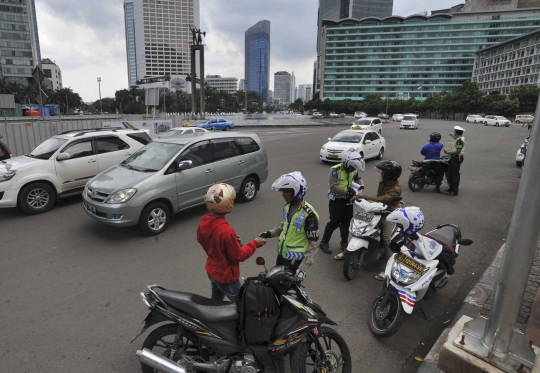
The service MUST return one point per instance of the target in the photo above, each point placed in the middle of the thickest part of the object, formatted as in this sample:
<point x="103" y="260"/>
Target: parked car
<point x="333" y="115"/>
<point x="373" y="124"/>
<point x="474" y="119"/>
<point x="219" y="124"/>
<point x="5" y="153"/>
<point x="524" y="118"/>
<point x="383" y="116"/>
<point x="397" y="117"/>
<point x="496" y="121"/>
<point x="409" y="121"/>
<point x="359" y="114"/>
<point x="369" y="143"/>
<point x="173" y="174"/>
<point x="522" y="151"/>
<point x="342" y="115"/>
<point x="60" y="166"/>
<point x="316" y="114"/>
<point x="180" y="131"/>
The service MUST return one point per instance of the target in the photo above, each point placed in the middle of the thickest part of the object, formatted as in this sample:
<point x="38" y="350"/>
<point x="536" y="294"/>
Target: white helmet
<point x="410" y="218"/>
<point x="220" y="198"/>
<point x="294" y="181"/>
<point x="355" y="160"/>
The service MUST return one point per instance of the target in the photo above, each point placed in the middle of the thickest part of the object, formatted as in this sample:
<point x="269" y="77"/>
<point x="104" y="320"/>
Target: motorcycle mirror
<point x="465" y="242"/>
<point x="260" y="261"/>
<point x="395" y="199"/>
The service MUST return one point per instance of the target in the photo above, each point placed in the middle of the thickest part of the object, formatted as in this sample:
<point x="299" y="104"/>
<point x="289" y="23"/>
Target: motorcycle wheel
<point x="386" y="320"/>
<point x="415" y="184"/>
<point x="352" y="263"/>
<point x="307" y="358"/>
<point x="161" y="340"/>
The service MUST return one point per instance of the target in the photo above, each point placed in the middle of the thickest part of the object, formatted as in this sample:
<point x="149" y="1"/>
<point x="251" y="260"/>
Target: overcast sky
<point x="86" y="38"/>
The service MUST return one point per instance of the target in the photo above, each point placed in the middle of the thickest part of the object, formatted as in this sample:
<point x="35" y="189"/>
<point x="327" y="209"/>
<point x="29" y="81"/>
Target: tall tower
<point x="158" y="37"/>
<point x="19" y="51"/>
<point x="257" y="59"/>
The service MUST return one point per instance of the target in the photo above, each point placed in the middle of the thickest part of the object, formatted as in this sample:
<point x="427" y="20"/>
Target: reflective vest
<point x="293" y="242"/>
<point x="345" y="180"/>
<point x="454" y="148"/>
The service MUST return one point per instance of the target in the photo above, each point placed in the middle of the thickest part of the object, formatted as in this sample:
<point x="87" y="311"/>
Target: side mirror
<point x="184" y="165"/>
<point x="260" y="261"/>
<point x="63" y="156"/>
<point x="367" y="142"/>
<point x="396" y="199"/>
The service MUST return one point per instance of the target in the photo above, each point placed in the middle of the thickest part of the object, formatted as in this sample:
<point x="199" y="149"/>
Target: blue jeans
<point x="219" y="290"/>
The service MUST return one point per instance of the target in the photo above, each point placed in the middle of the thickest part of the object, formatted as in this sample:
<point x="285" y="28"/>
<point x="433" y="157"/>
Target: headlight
<point x="122" y="196"/>
<point x="7" y="176"/>
<point x="402" y="276"/>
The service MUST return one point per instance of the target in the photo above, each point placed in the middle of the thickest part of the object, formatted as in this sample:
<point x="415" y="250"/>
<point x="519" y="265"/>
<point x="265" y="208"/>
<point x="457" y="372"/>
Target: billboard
<point x="155" y="127"/>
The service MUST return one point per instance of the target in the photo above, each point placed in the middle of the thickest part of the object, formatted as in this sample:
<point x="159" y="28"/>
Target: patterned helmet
<point x="355" y="160"/>
<point x="410" y="218"/>
<point x="220" y="198"/>
<point x="294" y="181"/>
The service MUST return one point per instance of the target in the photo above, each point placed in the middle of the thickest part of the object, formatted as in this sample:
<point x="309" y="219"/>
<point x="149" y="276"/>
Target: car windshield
<point x="47" y="148"/>
<point x="363" y="122"/>
<point x="153" y="157"/>
<point x="348" y="137"/>
<point x="410" y="117"/>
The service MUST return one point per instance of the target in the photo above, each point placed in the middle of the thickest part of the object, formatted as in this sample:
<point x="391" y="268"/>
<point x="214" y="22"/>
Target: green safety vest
<point x="454" y="148"/>
<point x="293" y="242"/>
<point x="345" y="179"/>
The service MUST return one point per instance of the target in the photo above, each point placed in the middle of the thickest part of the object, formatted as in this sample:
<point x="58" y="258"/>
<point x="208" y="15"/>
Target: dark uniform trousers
<point x="281" y="261"/>
<point x="452" y="175"/>
<point x="439" y="173"/>
<point x="340" y="217"/>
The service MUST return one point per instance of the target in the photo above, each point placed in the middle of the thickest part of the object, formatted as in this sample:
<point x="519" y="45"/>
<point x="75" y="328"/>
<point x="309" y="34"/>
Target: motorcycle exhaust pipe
<point x="158" y="362"/>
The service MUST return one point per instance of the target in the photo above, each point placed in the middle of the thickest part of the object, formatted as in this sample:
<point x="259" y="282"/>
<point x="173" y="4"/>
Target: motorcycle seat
<point x="446" y="235"/>
<point x="201" y="308"/>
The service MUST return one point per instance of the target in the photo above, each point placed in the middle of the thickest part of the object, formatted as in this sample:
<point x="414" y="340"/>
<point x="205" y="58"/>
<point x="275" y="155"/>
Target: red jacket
<point x="218" y="240"/>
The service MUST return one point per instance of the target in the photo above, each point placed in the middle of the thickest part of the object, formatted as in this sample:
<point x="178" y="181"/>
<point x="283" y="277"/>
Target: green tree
<point x="527" y="96"/>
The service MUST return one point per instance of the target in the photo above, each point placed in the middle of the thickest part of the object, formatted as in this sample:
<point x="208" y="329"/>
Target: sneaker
<point x="344" y="245"/>
<point x="325" y="248"/>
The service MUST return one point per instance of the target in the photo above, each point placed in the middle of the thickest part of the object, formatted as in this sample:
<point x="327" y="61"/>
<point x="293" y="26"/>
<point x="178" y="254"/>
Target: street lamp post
<point x="99" y="85"/>
<point x="164" y="98"/>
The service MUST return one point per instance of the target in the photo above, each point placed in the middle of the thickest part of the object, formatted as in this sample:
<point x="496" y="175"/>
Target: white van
<point x="524" y="118"/>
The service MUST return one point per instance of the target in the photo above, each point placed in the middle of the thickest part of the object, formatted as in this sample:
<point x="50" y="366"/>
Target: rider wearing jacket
<point x="432" y="153"/>
<point x="222" y="245"/>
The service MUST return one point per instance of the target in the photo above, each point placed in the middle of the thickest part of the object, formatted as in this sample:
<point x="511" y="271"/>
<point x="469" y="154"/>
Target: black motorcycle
<point x="203" y="335"/>
<point x="423" y="174"/>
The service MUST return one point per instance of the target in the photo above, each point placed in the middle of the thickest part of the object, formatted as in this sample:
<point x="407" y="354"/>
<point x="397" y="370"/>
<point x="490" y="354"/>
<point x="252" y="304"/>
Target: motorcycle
<point x="421" y="265"/>
<point x="203" y="335"/>
<point x="423" y="174"/>
<point x="365" y="245"/>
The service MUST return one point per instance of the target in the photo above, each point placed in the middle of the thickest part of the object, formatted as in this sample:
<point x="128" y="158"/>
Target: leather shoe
<point x="325" y="248"/>
<point x="448" y="190"/>
<point x="451" y="194"/>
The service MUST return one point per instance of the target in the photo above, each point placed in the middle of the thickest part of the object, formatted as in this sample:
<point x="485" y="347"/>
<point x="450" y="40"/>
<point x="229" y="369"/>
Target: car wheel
<point x="517" y="121"/>
<point x="154" y="219"/>
<point x="467" y="121"/>
<point x="380" y="132"/>
<point x="36" y="198"/>
<point x="474" y="122"/>
<point x="227" y="128"/>
<point x="248" y="190"/>
<point x="507" y="125"/>
<point x="381" y="153"/>
<point x="485" y="123"/>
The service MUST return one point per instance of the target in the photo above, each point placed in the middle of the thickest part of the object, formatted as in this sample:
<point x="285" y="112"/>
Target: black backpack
<point x="259" y="312"/>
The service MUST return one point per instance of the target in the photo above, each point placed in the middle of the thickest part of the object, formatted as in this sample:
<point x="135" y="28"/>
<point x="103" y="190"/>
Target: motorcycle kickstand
<point x="428" y="319"/>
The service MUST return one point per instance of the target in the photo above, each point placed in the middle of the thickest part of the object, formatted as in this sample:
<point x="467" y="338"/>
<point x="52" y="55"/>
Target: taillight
<point x="9" y="152"/>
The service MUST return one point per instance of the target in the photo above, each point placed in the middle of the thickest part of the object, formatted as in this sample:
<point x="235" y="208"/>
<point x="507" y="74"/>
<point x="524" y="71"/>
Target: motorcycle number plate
<point x="364" y="216"/>
<point x="409" y="262"/>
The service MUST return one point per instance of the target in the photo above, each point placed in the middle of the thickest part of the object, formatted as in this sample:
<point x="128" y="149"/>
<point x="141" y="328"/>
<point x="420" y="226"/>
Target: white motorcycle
<point x="365" y="245"/>
<point x="422" y="265"/>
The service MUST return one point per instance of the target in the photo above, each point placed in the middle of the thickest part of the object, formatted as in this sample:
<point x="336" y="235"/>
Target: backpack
<point x="259" y="312"/>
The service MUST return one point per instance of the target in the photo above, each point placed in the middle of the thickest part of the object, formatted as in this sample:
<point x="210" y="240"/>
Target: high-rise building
<point x="284" y="87"/>
<point x="19" y="45"/>
<point x="241" y="85"/>
<point x="305" y="92"/>
<point x="494" y="5"/>
<point x="257" y="59"/>
<point x="158" y="37"/>
<point x="219" y="83"/>
<point x="52" y="72"/>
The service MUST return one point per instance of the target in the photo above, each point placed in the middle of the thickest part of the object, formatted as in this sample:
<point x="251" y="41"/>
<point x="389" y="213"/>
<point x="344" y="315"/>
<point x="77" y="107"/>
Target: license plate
<point x="333" y="156"/>
<point x="364" y="216"/>
<point x="409" y="262"/>
<point x="357" y="127"/>
<point x="90" y="208"/>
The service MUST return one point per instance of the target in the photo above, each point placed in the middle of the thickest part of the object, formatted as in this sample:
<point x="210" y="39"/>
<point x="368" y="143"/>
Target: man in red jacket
<point x="222" y="245"/>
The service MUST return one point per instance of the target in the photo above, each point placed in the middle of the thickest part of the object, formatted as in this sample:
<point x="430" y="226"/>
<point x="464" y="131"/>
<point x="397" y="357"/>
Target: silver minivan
<point x="173" y="174"/>
<point x="524" y="118"/>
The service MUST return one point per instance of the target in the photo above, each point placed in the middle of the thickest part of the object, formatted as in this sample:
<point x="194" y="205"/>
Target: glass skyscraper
<point x="413" y="56"/>
<point x="257" y="59"/>
<point x="19" y="42"/>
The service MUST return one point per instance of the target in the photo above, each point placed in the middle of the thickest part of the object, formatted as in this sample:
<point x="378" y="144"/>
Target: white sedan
<point x="397" y="117"/>
<point x="409" y="121"/>
<point x="474" y="119"/>
<point x="369" y="143"/>
<point x="496" y="121"/>
<point x="374" y="124"/>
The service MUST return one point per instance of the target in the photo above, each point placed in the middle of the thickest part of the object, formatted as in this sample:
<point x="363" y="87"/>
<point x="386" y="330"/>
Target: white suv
<point x="62" y="165"/>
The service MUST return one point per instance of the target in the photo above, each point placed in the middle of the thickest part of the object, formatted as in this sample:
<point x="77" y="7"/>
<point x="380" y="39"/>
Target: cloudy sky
<point x="87" y="40"/>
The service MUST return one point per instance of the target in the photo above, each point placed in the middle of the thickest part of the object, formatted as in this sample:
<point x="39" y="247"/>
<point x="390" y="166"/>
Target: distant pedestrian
<point x="456" y="159"/>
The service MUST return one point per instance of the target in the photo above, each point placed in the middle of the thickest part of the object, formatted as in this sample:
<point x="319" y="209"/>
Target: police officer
<point x="299" y="230"/>
<point x="340" y="182"/>
<point x="456" y="159"/>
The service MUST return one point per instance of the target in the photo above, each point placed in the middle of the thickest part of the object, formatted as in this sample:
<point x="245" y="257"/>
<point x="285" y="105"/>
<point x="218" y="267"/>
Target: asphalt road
<point x="70" y="286"/>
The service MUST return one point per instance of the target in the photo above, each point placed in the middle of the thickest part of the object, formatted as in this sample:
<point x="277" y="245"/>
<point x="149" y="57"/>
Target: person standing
<point x="299" y="230"/>
<point x="456" y="159"/>
<point x="389" y="187"/>
<point x="222" y="245"/>
<point x="340" y="182"/>
<point x="432" y="153"/>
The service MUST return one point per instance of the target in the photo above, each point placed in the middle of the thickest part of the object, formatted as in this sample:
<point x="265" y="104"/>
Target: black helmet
<point x="435" y="137"/>
<point x="392" y="169"/>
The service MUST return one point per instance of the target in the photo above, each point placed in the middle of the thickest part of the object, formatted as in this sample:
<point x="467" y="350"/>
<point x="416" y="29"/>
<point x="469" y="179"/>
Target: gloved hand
<point x="266" y="234"/>
<point x="351" y="191"/>
<point x="300" y="275"/>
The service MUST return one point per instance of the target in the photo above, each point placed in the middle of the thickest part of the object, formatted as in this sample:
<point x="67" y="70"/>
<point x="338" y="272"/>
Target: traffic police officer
<point x="299" y="230"/>
<point x="456" y="159"/>
<point x="340" y="182"/>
